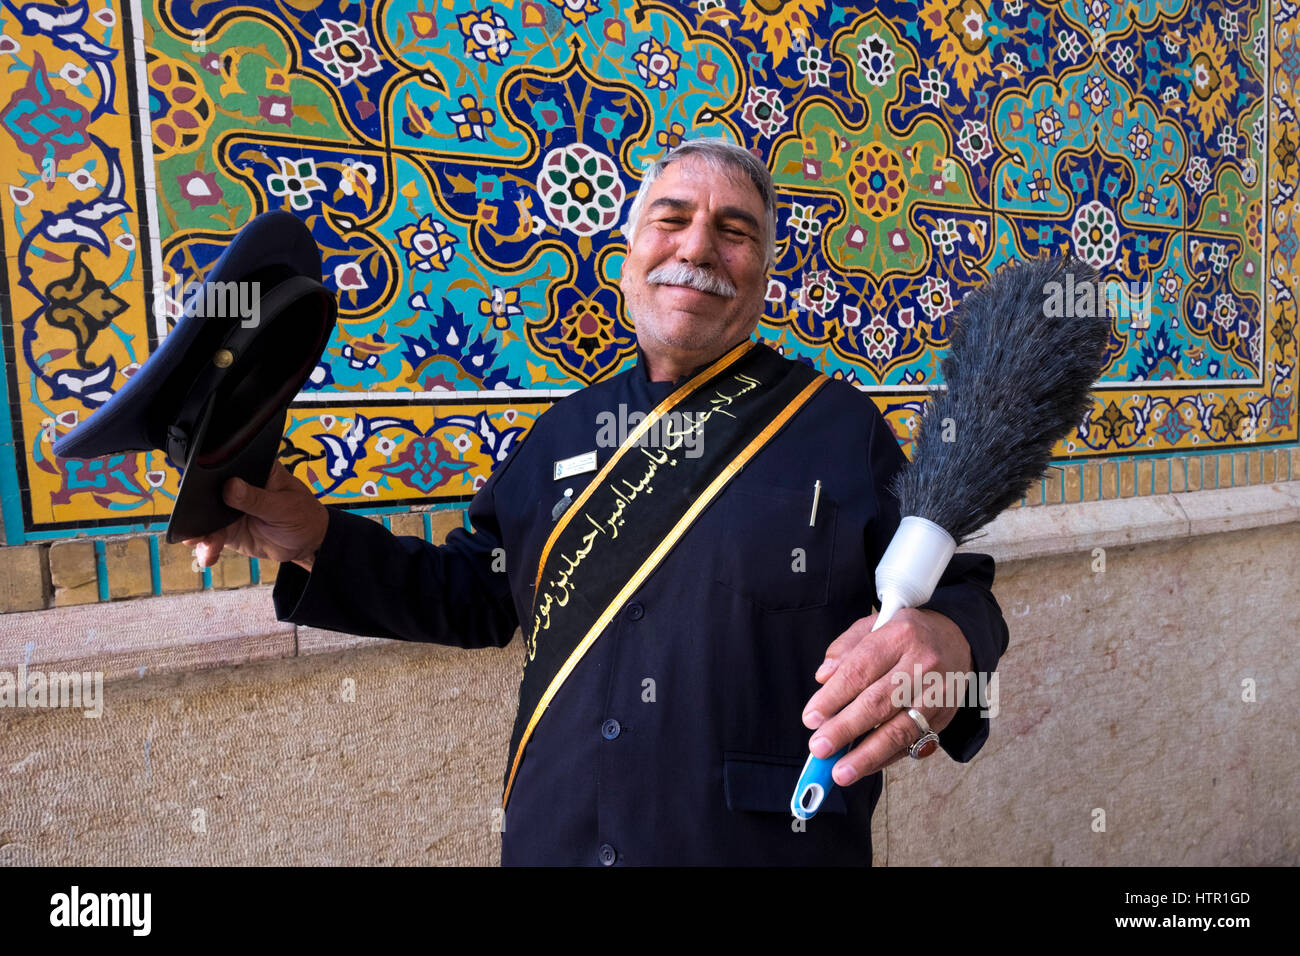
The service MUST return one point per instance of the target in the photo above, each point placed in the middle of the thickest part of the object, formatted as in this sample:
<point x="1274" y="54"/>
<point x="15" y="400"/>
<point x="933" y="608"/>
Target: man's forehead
<point x="681" y="180"/>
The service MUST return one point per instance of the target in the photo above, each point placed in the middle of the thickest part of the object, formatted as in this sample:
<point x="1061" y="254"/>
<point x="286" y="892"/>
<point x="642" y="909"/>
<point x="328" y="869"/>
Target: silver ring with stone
<point x="928" y="741"/>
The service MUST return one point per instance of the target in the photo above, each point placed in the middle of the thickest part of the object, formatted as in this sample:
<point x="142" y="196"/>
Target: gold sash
<point x="589" y="566"/>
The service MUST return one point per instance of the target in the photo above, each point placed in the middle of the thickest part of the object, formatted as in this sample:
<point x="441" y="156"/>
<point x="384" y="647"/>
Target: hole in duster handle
<point x="906" y="577"/>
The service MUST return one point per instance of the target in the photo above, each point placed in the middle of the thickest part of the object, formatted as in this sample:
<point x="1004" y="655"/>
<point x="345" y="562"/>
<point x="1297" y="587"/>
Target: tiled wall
<point x="438" y="152"/>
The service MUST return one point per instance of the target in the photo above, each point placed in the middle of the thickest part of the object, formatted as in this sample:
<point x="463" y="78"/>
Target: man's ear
<point x="623" y="269"/>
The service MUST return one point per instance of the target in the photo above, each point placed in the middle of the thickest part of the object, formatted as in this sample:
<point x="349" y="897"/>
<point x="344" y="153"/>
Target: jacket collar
<point x="643" y="370"/>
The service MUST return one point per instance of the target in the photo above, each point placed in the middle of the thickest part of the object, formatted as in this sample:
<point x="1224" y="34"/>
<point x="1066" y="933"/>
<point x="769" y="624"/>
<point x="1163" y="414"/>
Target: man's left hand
<point x="862" y="676"/>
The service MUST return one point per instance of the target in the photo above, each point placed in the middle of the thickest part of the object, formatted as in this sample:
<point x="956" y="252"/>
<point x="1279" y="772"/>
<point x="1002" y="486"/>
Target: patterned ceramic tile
<point x="465" y="167"/>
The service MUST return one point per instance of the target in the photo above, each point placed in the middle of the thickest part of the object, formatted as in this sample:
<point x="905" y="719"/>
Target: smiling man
<point x="695" y="276"/>
<point x="678" y="611"/>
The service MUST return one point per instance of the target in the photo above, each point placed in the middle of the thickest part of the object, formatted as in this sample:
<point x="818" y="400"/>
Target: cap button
<point x="223" y="358"/>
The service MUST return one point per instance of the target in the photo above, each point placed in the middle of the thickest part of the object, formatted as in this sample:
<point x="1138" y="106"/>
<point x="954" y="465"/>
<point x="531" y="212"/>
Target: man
<point x="676" y="611"/>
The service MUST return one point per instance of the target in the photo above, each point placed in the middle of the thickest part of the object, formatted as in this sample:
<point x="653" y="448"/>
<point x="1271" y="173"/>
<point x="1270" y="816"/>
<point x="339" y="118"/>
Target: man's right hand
<point x="282" y="522"/>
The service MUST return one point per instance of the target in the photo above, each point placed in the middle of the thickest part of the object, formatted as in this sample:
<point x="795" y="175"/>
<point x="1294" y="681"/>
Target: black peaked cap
<point x="215" y="392"/>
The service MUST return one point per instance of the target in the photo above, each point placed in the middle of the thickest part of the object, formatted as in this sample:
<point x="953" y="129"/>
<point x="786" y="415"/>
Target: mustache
<point x="679" y="273"/>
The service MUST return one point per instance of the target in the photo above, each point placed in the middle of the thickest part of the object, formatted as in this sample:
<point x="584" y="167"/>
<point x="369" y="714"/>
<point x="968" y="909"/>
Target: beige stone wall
<point x="284" y="770"/>
<point x="1122" y="691"/>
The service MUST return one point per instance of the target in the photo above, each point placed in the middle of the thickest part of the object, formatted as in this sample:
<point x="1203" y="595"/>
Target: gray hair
<point x="723" y="157"/>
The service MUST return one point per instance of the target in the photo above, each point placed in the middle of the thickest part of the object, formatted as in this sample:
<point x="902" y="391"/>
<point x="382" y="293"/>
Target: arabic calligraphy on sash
<point x="629" y="496"/>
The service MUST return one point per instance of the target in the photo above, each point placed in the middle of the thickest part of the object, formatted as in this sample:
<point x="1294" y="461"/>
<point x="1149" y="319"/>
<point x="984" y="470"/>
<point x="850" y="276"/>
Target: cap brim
<point x="200" y="509"/>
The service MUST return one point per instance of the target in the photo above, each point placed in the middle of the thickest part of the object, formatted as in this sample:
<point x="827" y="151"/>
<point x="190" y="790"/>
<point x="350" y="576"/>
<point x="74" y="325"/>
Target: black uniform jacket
<point x="678" y="736"/>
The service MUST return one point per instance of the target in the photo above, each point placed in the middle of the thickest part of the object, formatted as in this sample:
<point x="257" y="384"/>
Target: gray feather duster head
<point x="1018" y="379"/>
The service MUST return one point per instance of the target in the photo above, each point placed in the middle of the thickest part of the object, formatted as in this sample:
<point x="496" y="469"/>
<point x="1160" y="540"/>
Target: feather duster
<point x="1018" y="379"/>
<point x="1019" y="369"/>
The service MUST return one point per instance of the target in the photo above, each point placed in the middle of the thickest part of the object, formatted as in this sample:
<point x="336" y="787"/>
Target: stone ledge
<point x="130" y="638"/>
<point x="1023" y="534"/>
<point x="315" y="640"/>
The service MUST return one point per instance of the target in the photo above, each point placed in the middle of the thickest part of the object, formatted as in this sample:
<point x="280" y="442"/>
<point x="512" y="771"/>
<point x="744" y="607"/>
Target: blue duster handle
<point x="907" y="575"/>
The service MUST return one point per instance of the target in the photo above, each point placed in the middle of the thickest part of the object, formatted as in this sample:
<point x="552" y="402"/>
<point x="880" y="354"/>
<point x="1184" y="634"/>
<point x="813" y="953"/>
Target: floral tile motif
<point x="465" y="167"/>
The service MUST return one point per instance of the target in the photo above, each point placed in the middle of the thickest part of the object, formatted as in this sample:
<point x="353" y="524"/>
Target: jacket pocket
<point x="771" y="554"/>
<point x="764" y="783"/>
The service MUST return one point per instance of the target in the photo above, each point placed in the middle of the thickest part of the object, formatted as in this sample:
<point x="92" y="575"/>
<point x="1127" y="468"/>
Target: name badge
<point x="576" y="465"/>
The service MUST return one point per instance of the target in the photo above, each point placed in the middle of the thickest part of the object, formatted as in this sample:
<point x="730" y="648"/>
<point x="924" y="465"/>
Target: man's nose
<point x="697" y="245"/>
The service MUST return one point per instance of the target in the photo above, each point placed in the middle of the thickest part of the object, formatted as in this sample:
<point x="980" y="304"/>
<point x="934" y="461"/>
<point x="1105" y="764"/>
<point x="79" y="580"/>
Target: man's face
<point x="694" y="278"/>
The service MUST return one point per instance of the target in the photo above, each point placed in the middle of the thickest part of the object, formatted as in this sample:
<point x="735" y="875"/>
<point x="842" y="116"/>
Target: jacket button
<point x="635" y="611"/>
<point x="607" y="855"/>
<point x="610" y="729"/>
